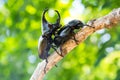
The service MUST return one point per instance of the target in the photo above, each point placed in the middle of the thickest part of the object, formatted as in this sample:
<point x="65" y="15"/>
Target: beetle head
<point x="76" y="24"/>
<point x="50" y="26"/>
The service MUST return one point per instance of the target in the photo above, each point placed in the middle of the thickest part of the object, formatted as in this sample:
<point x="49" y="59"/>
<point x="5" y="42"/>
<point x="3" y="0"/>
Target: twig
<point x="104" y="22"/>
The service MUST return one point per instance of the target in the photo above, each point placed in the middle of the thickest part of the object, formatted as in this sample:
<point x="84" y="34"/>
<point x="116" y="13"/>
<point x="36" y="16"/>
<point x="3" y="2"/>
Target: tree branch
<point x="104" y="22"/>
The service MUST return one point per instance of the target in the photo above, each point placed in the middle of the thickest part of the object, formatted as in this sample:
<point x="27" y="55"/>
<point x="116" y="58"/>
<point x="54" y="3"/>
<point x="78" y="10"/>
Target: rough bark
<point x="103" y="22"/>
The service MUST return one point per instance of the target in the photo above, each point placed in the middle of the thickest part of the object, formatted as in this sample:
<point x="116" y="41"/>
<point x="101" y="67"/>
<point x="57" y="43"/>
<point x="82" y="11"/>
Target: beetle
<point x="45" y="41"/>
<point x="67" y="31"/>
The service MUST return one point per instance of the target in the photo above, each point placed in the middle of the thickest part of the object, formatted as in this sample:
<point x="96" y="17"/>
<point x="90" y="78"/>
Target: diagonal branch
<point x="104" y="22"/>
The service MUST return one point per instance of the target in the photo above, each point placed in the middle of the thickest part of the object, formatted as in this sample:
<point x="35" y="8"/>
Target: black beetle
<point x="45" y="41"/>
<point x="67" y="31"/>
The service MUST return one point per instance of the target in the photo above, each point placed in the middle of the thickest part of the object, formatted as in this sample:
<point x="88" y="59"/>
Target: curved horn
<point x="43" y="16"/>
<point x="58" y="20"/>
<point x="44" y="22"/>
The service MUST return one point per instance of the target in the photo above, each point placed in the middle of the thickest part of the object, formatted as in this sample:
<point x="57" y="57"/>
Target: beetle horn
<point x="43" y="17"/>
<point x="45" y="23"/>
<point x="58" y="20"/>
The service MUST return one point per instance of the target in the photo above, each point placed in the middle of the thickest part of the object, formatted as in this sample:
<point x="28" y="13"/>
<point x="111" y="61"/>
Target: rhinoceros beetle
<point x="45" y="41"/>
<point x="61" y="35"/>
<point x="67" y="31"/>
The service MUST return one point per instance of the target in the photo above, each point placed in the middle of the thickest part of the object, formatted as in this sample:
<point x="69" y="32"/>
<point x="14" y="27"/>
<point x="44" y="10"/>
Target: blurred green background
<point x="97" y="58"/>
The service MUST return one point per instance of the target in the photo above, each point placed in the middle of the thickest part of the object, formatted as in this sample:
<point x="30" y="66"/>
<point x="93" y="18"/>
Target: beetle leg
<point x="76" y="41"/>
<point x="46" y="59"/>
<point x="57" y="51"/>
<point x="61" y="51"/>
<point x="45" y="65"/>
